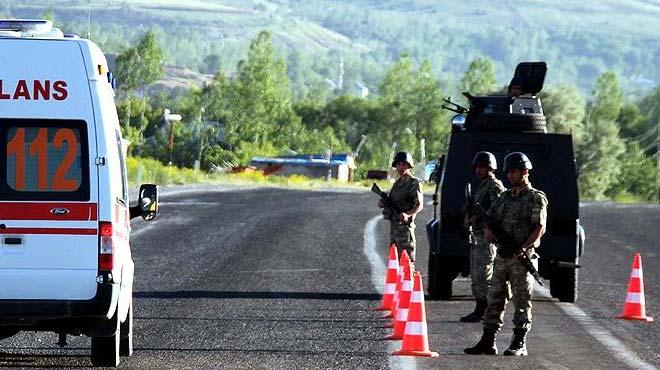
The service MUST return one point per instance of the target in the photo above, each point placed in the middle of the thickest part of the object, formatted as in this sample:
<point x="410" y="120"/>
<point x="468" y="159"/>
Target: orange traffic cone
<point x="399" y="279"/>
<point x="415" y="338"/>
<point x="635" y="307"/>
<point x="390" y="281"/>
<point x="401" y="315"/>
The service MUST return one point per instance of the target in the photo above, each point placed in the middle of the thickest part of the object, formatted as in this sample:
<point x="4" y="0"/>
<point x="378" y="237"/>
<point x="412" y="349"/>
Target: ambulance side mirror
<point x="148" y="201"/>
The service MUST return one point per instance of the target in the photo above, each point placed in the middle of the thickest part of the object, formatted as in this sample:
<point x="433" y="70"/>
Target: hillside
<point x="579" y="40"/>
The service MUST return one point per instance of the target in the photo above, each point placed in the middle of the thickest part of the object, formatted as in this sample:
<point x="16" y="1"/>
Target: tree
<point x="601" y="148"/>
<point x="260" y="99"/>
<point x="598" y="160"/>
<point x="479" y="77"/>
<point x="563" y="107"/>
<point x="136" y="68"/>
<point x="607" y="98"/>
<point x="260" y="95"/>
<point x="650" y="107"/>
<point x="637" y="176"/>
<point x="631" y="121"/>
<point x="411" y="104"/>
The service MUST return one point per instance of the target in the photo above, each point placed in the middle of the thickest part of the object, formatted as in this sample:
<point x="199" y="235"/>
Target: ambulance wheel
<point x="105" y="349"/>
<point x="126" y="333"/>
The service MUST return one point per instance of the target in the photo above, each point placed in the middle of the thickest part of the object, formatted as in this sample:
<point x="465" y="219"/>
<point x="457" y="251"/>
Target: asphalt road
<point x="278" y="279"/>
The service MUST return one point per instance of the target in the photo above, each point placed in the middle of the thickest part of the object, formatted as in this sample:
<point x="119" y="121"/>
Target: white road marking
<point x="378" y="280"/>
<point x="618" y="349"/>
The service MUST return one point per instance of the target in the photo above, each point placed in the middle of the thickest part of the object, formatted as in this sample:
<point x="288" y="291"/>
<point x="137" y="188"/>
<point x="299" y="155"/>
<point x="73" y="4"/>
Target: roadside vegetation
<point x="147" y="170"/>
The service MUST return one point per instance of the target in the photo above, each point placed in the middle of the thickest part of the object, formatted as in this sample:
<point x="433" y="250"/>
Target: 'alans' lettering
<point x="34" y="90"/>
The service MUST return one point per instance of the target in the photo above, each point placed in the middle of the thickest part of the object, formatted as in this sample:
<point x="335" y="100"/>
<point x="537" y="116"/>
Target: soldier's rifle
<point x="389" y="204"/>
<point x="509" y="243"/>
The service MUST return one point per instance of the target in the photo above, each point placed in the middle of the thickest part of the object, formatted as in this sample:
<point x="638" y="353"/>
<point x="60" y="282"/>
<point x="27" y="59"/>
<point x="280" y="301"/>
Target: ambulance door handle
<point x="13" y="241"/>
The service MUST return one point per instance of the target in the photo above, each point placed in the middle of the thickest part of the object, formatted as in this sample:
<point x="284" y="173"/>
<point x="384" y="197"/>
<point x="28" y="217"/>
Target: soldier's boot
<point x="486" y="345"/>
<point x="478" y="313"/>
<point x="518" y="346"/>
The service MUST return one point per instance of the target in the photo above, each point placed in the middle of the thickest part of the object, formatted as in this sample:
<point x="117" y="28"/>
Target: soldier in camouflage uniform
<point x="482" y="252"/>
<point x="522" y="212"/>
<point x="406" y="194"/>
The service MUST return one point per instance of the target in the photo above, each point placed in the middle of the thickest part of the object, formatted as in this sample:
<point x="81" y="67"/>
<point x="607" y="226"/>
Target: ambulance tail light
<point x="106" y="247"/>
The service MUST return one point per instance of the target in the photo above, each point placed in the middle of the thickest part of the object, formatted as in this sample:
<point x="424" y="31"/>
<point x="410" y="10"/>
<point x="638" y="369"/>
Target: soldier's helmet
<point x="403" y="157"/>
<point x="517" y="160"/>
<point x="484" y="159"/>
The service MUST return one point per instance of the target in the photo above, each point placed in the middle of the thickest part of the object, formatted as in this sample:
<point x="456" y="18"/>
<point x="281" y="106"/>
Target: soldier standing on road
<point x="522" y="212"/>
<point x="406" y="194"/>
<point x="482" y="251"/>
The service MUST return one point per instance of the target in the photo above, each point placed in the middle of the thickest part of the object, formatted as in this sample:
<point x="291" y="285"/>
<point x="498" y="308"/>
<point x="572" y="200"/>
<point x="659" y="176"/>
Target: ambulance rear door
<point x="48" y="176"/>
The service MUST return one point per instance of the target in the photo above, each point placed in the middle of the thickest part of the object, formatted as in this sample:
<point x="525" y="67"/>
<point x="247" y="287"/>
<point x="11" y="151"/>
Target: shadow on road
<point x="20" y="360"/>
<point x="256" y="295"/>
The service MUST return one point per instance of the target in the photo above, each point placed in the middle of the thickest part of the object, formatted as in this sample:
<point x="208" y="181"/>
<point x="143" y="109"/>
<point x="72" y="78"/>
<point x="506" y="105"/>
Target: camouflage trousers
<point x="482" y="255"/>
<point x="404" y="238"/>
<point x="510" y="271"/>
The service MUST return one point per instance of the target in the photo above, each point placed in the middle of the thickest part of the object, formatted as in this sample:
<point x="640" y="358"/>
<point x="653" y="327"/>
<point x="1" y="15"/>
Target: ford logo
<point x="59" y="211"/>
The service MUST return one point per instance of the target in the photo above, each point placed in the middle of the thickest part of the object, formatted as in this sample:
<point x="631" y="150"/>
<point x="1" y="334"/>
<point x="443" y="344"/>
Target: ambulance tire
<point x="105" y="350"/>
<point x="126" y="334"/>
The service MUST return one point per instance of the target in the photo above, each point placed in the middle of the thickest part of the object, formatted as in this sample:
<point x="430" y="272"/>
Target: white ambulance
<point x="65" y="259"/>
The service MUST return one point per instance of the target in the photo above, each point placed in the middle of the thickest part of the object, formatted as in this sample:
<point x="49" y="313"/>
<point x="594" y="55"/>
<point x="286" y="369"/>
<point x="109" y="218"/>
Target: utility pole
<point x="202" y="134"/>
<point x="170" y="119"/>
<point x="340" y="78"/>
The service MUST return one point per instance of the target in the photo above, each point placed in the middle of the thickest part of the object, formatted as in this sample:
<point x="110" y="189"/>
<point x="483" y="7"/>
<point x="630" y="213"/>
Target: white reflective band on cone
<point x="390" y="288"/>
<point x="636" y="273"/>
<point x="415" y="328"/>
<point x="416" y="297"/>
<point x="393" y="265"/>
<point x="407" y="286"/>
<point x="634" y="298"/>
<point x="402" y="314"/>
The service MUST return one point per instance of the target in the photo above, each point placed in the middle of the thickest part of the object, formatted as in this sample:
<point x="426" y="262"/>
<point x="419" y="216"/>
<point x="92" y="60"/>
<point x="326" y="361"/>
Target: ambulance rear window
<point x="44" y="160"/>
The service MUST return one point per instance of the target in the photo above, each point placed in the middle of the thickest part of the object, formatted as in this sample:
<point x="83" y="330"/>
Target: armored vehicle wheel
<point x="512" y="122"/>
<point x="564" y="284"/>
<point x="445" y="270"/>
<point x="4" y="334"/>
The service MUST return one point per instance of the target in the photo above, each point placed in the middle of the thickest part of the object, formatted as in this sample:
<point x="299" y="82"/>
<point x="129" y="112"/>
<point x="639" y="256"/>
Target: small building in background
<point x="360" y="90"/>
<point x="340" y="166"/>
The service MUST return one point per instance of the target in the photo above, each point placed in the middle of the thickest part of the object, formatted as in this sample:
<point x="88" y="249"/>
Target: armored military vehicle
<point x="501" y="125"/>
